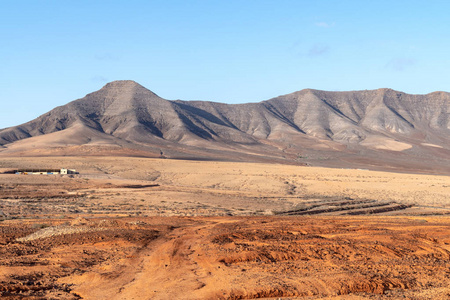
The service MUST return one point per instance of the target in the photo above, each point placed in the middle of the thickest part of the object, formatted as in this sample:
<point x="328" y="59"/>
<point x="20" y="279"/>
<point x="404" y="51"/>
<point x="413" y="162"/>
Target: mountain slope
<point x="359" y="127"/>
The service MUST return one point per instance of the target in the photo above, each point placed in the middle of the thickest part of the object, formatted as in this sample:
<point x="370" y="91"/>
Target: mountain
<point x="380" y="129"/>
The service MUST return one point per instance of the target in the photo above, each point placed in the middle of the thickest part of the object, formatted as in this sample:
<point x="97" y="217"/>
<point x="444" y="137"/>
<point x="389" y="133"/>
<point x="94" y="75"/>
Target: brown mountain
<point x="380" y="129"/>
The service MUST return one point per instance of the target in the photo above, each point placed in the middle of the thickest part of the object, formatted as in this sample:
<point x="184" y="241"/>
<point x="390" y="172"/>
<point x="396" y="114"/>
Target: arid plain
<point x="148" y="228"/>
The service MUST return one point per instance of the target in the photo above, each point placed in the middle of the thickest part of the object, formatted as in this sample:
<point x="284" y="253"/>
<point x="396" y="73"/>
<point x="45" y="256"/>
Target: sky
<point x="54" y="52"/>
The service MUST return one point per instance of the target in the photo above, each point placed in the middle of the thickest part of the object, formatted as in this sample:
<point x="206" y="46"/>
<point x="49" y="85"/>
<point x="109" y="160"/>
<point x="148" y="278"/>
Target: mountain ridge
<point x="356" y="124"/>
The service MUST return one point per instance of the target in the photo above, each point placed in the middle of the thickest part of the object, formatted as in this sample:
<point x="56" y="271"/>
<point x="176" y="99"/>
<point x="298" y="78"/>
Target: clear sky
<point x="53" y="52"/>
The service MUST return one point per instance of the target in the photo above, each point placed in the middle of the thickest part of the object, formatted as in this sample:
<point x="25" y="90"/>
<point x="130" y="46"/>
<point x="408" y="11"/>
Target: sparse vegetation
<point x="40" y="225"/>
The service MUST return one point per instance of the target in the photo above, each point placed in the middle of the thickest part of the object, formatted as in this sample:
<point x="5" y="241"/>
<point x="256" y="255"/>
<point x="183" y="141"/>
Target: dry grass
<point x="176" y="187"/>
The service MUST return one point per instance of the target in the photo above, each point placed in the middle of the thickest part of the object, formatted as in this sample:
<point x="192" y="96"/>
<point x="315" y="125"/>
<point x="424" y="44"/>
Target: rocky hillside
<point x="125" y="114"/>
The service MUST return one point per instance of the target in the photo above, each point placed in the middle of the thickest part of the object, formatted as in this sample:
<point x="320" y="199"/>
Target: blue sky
<point x="53" y="52"/>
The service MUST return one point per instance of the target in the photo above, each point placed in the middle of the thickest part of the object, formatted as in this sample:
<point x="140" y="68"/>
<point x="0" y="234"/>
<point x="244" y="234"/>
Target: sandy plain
<point x="140" y="228"/>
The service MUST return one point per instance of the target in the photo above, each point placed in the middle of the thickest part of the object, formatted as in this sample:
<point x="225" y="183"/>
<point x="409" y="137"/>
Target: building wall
<point x="45" y="172"/>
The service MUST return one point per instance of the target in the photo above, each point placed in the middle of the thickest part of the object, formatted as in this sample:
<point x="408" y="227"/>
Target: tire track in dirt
<point x="158" y="271"/>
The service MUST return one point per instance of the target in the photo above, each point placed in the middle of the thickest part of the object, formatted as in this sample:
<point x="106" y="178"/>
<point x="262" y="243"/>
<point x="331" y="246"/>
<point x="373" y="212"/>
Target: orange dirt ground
<point x="135" y="228"/>
<point x="227" y="258"/>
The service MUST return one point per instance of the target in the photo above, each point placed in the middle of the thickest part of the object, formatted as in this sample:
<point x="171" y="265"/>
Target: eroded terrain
<point x="226" y="258"/>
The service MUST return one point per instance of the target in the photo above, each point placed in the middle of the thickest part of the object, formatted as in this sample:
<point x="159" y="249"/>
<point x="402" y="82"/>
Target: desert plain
<point x="153" y="228"/>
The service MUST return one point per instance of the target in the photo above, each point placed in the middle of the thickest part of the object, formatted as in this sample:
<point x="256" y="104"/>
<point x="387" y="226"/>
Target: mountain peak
<point x="122" y="84"/>
<point x="125" y="87"/>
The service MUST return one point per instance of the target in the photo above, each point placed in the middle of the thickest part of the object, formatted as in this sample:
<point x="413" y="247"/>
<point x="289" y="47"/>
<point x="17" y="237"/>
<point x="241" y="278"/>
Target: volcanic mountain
<point x="380" y="129"/>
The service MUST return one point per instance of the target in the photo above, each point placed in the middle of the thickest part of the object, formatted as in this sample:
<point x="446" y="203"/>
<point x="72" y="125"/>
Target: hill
<point x="378" y="129"/>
